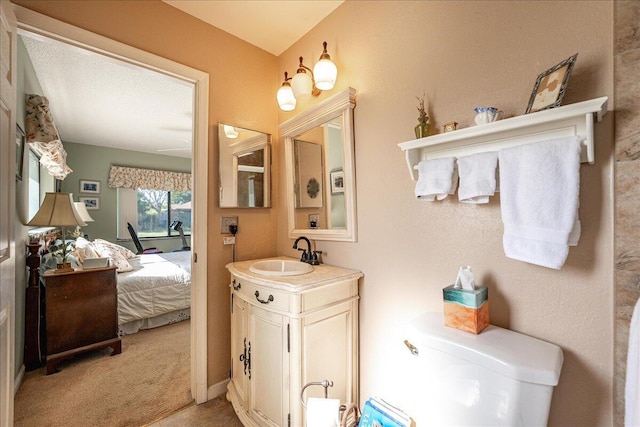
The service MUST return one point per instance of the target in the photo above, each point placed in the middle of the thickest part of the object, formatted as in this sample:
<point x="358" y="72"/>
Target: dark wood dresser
<point x="81" y="313"/>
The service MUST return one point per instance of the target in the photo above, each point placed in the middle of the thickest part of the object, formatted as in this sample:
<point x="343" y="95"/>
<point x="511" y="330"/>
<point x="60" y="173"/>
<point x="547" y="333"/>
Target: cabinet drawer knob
<point x="236" y="288"/>
<point x="261" y="301"/>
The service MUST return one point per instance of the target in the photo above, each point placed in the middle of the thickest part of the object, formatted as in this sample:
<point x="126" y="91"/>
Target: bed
<point x="153" y="289"/>
<point x="156" y="292"/>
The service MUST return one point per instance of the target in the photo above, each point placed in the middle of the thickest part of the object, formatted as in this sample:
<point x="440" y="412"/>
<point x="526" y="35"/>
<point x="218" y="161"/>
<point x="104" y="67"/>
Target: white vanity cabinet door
<point x="239" y="349"/>
<point x="269" y="367"/>
<point x="327" y="341"/>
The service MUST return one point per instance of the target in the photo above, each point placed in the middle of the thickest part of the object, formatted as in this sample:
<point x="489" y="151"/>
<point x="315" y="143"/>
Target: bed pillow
<point x="124" y="251"/>
<point x="84" y="249"/>
<point x="115" y="257"/>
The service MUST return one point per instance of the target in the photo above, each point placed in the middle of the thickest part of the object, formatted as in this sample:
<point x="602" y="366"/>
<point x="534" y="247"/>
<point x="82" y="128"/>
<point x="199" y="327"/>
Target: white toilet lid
<point x="509" y="353"/>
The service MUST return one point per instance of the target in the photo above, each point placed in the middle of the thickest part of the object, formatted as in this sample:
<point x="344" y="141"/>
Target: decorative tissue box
<point x="467" y="310"/>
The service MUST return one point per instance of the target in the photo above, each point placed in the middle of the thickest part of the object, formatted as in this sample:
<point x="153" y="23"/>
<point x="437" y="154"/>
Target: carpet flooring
<point x="147" y="381"/>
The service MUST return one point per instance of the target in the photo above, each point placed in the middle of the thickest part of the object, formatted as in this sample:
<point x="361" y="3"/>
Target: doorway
<point x="35" y="23"/>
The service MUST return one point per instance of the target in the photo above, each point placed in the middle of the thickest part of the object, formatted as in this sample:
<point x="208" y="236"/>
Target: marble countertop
<point x="322" y="274"/>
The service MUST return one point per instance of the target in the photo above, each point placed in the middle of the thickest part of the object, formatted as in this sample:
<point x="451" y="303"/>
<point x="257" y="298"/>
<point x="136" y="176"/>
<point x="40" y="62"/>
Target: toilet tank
<point x="496" y="378"/>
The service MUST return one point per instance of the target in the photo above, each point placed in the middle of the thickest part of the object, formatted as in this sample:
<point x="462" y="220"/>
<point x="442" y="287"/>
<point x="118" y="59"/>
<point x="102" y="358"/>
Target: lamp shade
<point x="286" y="100"/>
<point x="325" y="73"/>
<point x="82" y="211"/>
<point x="301" y="84"/>
<point x="230" y="132"/>
<point x="57" y="210"/>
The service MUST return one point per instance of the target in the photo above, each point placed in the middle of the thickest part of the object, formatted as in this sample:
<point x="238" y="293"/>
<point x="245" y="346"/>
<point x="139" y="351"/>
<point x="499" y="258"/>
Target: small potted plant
<point x="422" y="128"/>
<point x="60" y="250"/>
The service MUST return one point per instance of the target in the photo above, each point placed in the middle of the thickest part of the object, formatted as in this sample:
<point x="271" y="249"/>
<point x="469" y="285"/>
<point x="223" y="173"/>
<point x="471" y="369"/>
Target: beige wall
<point x="242" y="83"/>
<point x="462" y="55"/>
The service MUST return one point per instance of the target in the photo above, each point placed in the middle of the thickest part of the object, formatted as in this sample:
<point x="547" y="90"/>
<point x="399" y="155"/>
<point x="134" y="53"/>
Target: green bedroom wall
<point x="90" y="162"/>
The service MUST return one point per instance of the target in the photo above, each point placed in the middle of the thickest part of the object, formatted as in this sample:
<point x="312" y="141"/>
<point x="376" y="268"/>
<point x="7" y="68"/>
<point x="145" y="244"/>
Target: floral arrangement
<point x="59" y="248"/>
<point x="422" y="117"/>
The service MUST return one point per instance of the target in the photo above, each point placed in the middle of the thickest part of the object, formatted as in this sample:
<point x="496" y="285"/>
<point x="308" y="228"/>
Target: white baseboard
<point x="18" y="381"/>
<point x="217" y="389"/>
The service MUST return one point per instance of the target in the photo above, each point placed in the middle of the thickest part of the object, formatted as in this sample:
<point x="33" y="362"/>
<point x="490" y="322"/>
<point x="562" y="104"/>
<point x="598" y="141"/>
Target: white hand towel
<point x="323" y="412"/>
<point x="632" y="384"/>
<point x="539" y="185"/>
<point x="437" y="178"/>
<point x="477" y="177"/>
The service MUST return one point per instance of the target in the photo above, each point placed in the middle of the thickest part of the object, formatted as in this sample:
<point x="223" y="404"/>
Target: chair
<point x="136" y="241"/>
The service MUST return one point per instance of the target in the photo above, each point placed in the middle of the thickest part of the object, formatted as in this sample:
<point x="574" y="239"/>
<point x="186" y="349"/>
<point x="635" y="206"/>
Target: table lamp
<point x="58" y="210"/>
<point x="84" y="214"/>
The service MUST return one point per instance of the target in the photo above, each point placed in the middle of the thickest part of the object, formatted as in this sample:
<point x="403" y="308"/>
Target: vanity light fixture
<point x="307" y="82"/>
<point x="230" y="132"/>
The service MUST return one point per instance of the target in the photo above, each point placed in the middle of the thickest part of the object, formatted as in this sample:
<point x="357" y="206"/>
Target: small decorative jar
<point x="422" y="128"/>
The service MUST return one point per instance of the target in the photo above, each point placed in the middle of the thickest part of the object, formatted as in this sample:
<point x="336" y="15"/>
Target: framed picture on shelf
<point x="550" y="86"/>
<point x="92" y="203"/>
<point x="87" y="186"/>
<point x="337" y="181"/>
<point x="20" y="143"/>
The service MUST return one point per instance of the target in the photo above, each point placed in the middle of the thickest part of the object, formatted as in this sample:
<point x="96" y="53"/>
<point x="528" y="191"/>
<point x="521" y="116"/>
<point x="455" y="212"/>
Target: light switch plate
<point x="225" y="222"/>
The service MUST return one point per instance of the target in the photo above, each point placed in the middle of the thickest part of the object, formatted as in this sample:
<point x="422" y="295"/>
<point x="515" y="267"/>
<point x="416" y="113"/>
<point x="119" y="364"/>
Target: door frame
<point x="37" y="23"/>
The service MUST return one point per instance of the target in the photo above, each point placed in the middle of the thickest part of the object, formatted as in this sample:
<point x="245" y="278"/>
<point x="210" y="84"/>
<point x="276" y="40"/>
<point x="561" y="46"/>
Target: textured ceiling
<point x="101" y="101"/>
<point x="98" y="100"/>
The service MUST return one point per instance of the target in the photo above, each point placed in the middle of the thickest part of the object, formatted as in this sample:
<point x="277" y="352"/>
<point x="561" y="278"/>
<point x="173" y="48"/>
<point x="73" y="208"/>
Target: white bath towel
<point x="539" y="191"/>
<point x="437" y="178"/>
<point x="477" y="177"/>
<point x="632" y="384"/>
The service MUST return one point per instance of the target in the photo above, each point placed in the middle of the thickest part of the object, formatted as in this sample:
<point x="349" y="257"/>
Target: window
<point x="34" y="184"/>
<point x="152" y="211"/>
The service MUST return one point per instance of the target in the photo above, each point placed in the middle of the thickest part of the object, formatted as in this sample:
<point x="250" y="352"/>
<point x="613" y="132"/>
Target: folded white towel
<point x="632" y="384"/>
<point x="477" y="177"/>
<point x="437" y="178"/>
<point x="539" y="185"/>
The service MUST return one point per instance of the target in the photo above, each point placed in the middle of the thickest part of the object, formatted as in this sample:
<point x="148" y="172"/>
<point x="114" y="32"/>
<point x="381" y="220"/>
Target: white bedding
<point x="158" y="284"/>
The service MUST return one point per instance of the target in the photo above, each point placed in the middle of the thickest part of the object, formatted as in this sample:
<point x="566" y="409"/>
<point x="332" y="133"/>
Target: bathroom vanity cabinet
<point x="287" y="331"/>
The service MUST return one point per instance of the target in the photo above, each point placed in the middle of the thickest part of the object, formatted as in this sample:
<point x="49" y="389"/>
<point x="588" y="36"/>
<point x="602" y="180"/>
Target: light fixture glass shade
<point x="301" y="84"/>
<point x="286" y="100"/>
<point x="325" y="73"/>
<point x="57" y="210"/>
<point x="82" y="210"/>
<point x="230" y="132"/>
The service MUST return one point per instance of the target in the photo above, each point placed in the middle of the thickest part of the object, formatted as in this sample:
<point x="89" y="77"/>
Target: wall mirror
<point x="245" y="167"/>
<point x="320" y="170"/>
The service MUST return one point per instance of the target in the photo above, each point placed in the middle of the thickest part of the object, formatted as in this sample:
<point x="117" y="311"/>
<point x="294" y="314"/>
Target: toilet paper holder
<point x="349" y="415"/>
<point x="325" y="383"/>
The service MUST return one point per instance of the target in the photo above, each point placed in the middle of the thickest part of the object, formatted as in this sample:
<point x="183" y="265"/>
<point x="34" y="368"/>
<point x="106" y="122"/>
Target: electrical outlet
<point x="313" y="220"/>
<point x="225" y="222"/>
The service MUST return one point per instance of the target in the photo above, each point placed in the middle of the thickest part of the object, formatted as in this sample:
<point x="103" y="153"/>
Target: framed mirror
<point x="320" y="170"/>
<point x="245" y="167"/>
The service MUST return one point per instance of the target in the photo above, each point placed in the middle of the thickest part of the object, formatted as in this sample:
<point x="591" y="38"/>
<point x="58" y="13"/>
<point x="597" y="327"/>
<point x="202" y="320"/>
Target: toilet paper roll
<point x="323" y="412"/>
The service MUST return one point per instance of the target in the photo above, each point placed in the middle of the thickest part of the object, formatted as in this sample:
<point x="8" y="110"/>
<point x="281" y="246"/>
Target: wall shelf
<point x="560" y="122"/>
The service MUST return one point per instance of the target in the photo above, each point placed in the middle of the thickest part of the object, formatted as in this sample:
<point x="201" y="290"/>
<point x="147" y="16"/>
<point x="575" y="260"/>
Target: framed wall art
<point x="92" y="203"/>
<point x="337" y="181"/>
<point x="550" y="86"/>
<point x="91" y="187"/>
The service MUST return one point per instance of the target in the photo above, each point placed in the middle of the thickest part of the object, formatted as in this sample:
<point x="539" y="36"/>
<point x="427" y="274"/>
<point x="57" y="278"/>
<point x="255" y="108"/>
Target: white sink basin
<point x="280" y="267"/>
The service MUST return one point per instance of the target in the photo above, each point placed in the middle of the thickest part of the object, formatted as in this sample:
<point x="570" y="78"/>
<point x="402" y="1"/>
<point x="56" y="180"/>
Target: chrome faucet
<point x="309" y="256"/>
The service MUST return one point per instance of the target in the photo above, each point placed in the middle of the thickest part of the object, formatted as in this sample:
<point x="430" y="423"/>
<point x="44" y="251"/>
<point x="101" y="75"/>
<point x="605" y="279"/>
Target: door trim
<point x="37" y="23"/>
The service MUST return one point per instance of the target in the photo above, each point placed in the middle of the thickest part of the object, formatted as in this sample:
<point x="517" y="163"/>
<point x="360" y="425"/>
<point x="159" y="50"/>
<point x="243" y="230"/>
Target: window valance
<point x="133" y="178"/>
<point x="43" y="136"/>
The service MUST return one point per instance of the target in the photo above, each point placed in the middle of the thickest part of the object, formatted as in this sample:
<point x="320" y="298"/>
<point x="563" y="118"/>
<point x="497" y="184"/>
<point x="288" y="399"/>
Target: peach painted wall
<point x="242" y="82"/>
<point x="466" y="54"/>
